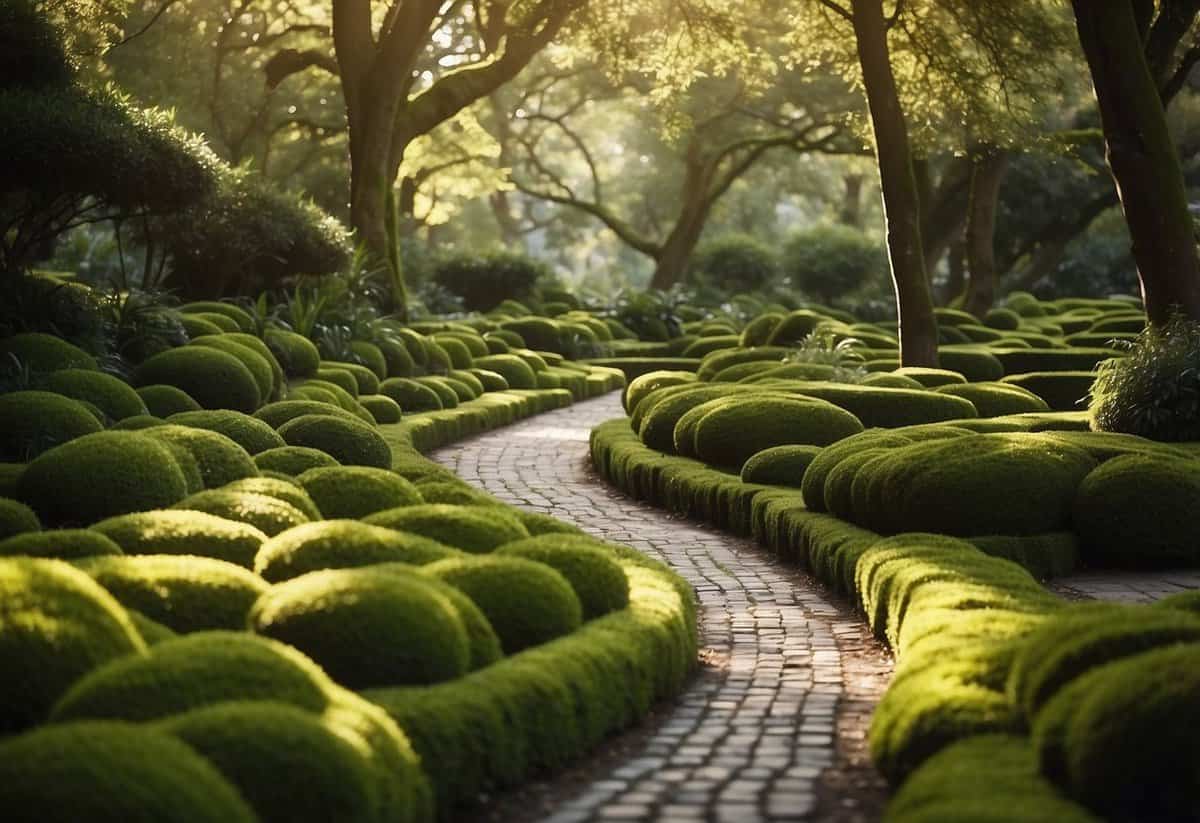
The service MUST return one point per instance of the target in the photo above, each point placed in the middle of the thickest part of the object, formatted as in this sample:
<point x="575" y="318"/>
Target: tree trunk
<point x="987" y="173"/>
<point x="850" y="213"/>
<point x="956" y="282"/>
<point x="901" y="206"/>
<point x="1142" y="158"/>
<point x="671" y="263"/>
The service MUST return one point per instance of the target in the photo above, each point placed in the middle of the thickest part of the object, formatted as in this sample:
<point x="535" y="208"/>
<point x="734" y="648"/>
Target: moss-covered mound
<point x="598" y="580"/>
<point x="281" y="488"/>
<point x="257" y="364"/>
<point x="113" y="396"/>
<point x="383" y="408"/>
<point x="351" y="443"/>
<point x="56" y="625"/>
<point x="527" y="603"/>
<point x="102" y="475"/>
<point x="779" y="465"/>
<point x="59" y="544"/>
<point x="642" y="385"/>
<point x="293" y="460"/>
<point x="512" y="368"/>
<point x="734" y="432"/>
<point x="297" y="354"/>
<point x="340" y="376"/>
<point x="341" y="544"/>
<point x="1062" y="390"/>
<point x="285" y="762"/>
<point x="164" y="401"/>
<point x="411" y="395"/>
<point x="219" y="459"/>
<point x="996" y="399"/>
<point x="45" y="353"/>
<point x="355" y="492"/>
<point x="16" y="518"/>
<point x="931" y="378"/>
<point x="113" y="773"/>
<point x="184" y="533"/>
<point x="33" y="421"/>
<point x="280" y="412"/>
<point x="183" y="593"/>
<point x="882" y="407"/>
<point x="214" y="379"/>
<point x="268" y="514"/>
<point x="1140" y="510"/>
<point x="367" y="628"/>
<point x="476" y="529"/>
<point x="139" y="422"/>
<point x="976" y="485"/>
<point x="250" y="433"/>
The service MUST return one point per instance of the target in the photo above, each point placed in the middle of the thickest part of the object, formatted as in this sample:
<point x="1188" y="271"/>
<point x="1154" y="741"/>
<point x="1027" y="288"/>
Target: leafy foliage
<point x="484" y="281"/>
<point x="830" y="261"/>
<point x="822" y="347"/>
<point x="735" y="263"/>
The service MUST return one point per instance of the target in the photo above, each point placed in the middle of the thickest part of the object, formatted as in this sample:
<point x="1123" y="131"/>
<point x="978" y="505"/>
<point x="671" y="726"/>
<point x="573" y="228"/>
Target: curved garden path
<point x="773" y="727"/>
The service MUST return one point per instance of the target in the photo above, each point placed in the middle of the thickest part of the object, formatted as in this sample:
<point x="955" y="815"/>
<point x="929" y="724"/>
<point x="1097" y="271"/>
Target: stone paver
<point x="774" y="726"/>
<point x="1127" y="587"/>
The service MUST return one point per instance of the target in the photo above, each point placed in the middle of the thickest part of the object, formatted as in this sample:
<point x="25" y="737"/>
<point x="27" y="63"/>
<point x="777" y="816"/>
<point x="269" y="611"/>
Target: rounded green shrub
<point x="455" y="491"/>
<point x="931" y="378"/>
<point x="1062" y="390"/>
<point x="366" y="381"/>
<point x="293" y="460"/>
<point x="183" y="593"/>
<point x="340" y="375"/>
<point x="326" y="392"/>
<point x="267" y="514"/>
<point x="397" y="358"/>
<point x="164" y="401"/>
<point x="280" y="412"/>
<point x="351" y="443"/>
<point x="367" y="628"/>
<point x="447" y="396"/>
<point x="383" y="408"/>
<point x="256" y="344"/>
<point x="661" y="411"/>
<point x="342" y="544"/>
<point x="219" y="459"/>
<point x="255" y="363"/>
<point x="490" y="380"/>
<point x="890" y="380"/>
<point x="1004" y="319"/>
<point x="527" y="603"/>
<point x="102" y="475"/>
<point x="287" y="764"/>
<point x="370" y="355"/>
<point x="733" y="433"/>
<point x="59" y="544"/>
<point x="734" y="263"/>
<point x="250" y="433"/>
<point x="598" y="581"/>
<point x="475" y="529"/>
<point x="828" y="261"/>
<point x="113" y="773"/>
<point x="138" y="422"/>
<point x="286" y="489"/>
<point x="996" y="399"/>
<point x="974" y="362"/>
<point x="297" y="354"/>
<point x="56" y="625"/>
<point x="1140" y="510"/>
<point x="33" y="421"/>
<point x="642" y="385"/>
<point x="172" y="531"/>
<point x="237" y="314"/>
<point x="17" y="518"/>
<point x="1186" y="600"/>
<point x="887" y="408"/>
<point x="113" y="396"/>
<point x="410" y="395"/>
<point x="460" y="355"/>
<point x="779" y="465"/>
<point x="354" y="492"/>
<point x="205" y="321"/>
<point x="511" y="367"/>
<point x="42" y="353"/>
<point x="214" y="379"/>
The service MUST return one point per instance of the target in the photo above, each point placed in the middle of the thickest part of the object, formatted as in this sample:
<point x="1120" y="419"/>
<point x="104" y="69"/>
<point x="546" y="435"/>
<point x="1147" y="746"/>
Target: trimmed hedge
<point x="339" y="544"/>
<point x="597" y="579"/>
<point x="41" y="353"/>
<point x="996" y="399"/>
<point x="164" y="401"/>
<point x="255" y="363"/>
<point x="738" y="429"/>
<point x="355" y="492"/>
<point x="297" y="354"/>
<point x="268" y="514"/>
<point x="351" y="443"/>
<point x="58" y="544"/>
<point x="282" y="411"/>
<point x="219" y="459"/>
<point x="1062" y="390"/>
<point x="411" y="395"/>
<point x="16" y="518"/>
<point x="113" y="396"/>
<point x="383" y="408"/>
<point x="178" y="532"/>
<point x="293" y="460"/>
<point x="251" y="433"/>
<point x="32" y="422"/>
<point x="281" y="488"/>
<point x="214" y="379"/>
<point x="475" y="529"/>
<point x="779" y="465"/>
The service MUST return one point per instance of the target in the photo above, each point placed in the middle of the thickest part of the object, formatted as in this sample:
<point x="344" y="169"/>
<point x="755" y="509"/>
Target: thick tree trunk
<point x="850" y="213"/>
<point x="987" y="173"/>
<point x="914" y="303"/>
<point x="1143" y="159"/>
<point x="671" y="263"/>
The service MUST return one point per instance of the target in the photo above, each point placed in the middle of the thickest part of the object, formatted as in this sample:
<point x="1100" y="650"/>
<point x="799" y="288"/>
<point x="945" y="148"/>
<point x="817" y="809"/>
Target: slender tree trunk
<point x="850" y="213"/>
<point x="988" y="166"/>
<point x="1143" y="159"/>
<point x="901" y="205"/>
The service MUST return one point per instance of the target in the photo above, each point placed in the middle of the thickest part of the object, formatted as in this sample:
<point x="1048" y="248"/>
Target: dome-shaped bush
<point x="383" y="408"/>
<point x="286" y="763"/>
<point x="341" y="544"/>
<point x="172" y="531"/>
<point x="457" y="492"/>
<point x="326" y="392"/>
<point x="367" y="628"/>
<point x="219" y="459"/>
<point x="350" y="443"/>
<point x="475" y="529"/>
<point x="16" y="518"/>
<point x="214" y="379"/>
<point x="280" y="412"/>
<point x="45" y="353"/>
<point x="366" y="381"/>
<point x="33" y="421"/>
<point x="1062" y="390"/>
<point x="197" y="326"/>
<point x="139" y="422"/>
<point x="340" y="375"/>
<point x="410" y="395"/>
<point x="112" y="773"/>
<point x="465" y="376"/>
<point x="890" y="380"/>
<point x="285" y="489"/>
<point x="1139" y="510"/>
<point x="597" y="579"/>
<point x="268" y="514"/>
<point x="102" y="475"/>
<point x="297" y="354"/>
<point x="255" y="344"/>
<point x="490" y="380"/>
<point x="881" y="407"/>
<point x="931" y="378"/>
<point x="183" y="593"/>
<point x="397" y="357"/>
<point x="779" y="465"/>
<point x="60" y="544"/>
<point x="114" y="397"/>
<point x="164" y="401"/>
<point x="512" y="368"/>
<point x="354" y="492"/>
<point x="250" y="433"/>
<point x="293" y="460"/>
<point x="56" y="625"/>
<point x="527" y="603"/>
<point x="733" y="433"/>
<point x="660" y="411"/>
<point x="237" y="314"/>
<point x="642" y="385"/>
<point x="996" y="399"/>
<point x="257" y="365"/>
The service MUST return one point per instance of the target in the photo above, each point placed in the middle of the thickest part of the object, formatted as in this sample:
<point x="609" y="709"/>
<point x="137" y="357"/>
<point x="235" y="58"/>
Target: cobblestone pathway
<point x="774" y="726"/>
<point x="1127" y="587"/>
